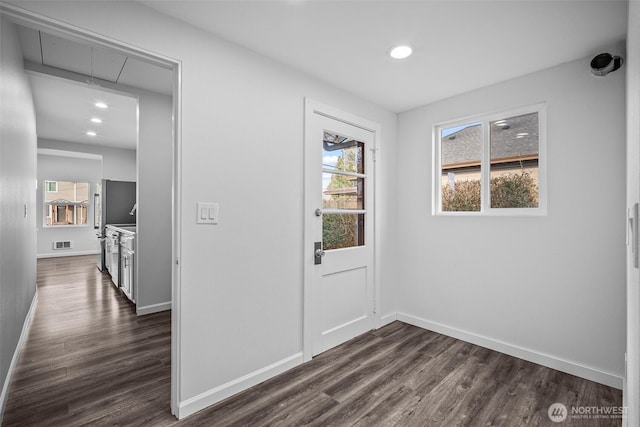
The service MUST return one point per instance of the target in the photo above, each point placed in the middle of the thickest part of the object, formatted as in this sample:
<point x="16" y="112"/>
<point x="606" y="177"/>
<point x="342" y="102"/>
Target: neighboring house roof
<point x="67" y="202"/>
<point x="516" y="139"/>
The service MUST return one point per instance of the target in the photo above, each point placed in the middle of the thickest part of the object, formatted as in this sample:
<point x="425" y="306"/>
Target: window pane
<point x="342" y="153"/>
<point x="342" y="230"/>
<point x="342" y="191"/>
<point x="514" y="149"/>
<point x="66" y="203"/>
<point x="461" y="156"/>
<point x="51" y="186"/>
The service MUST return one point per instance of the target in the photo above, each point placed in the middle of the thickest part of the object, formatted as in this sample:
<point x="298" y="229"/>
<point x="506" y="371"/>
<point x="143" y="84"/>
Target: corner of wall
<point x="16" y="354"/>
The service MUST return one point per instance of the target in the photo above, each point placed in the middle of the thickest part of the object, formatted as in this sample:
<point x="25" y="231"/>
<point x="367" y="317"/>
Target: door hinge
<point x="373" y="154"/>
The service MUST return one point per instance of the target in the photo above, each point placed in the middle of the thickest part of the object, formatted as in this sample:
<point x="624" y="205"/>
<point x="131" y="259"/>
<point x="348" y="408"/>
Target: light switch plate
<point x="207" y="213"/>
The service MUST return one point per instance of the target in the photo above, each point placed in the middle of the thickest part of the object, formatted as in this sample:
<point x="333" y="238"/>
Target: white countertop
<point x="130" y="229"/>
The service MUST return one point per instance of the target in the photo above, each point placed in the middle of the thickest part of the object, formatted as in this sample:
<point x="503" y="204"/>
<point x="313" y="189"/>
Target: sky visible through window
<point x="449" y="131"/>
<point x="329" y="161"/>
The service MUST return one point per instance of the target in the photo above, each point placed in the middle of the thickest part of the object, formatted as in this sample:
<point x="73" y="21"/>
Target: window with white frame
<point x="65" y="203"/>
<point x="493" y="164"/>
<point x="51" y="186"/>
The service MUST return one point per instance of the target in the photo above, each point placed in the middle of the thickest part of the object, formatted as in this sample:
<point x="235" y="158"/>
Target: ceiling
<point x="458" y="45"/>
<point x="68" y="77"/>
<point x="46" y="49"/>
<point x="64" y="109"/>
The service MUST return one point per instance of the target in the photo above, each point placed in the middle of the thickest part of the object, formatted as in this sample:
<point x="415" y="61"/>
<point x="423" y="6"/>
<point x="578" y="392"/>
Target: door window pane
<point x="342" y="230"/>
<point x="341" y="153"/>
<point x="514" y="149"/>
<point x="460" y="160"/>
<point x="342" y="191"/>
<point x="343" y="185"/>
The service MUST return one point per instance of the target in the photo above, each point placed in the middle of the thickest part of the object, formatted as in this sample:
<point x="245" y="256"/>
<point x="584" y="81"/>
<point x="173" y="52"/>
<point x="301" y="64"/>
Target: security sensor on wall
<point x="604" y="63"/>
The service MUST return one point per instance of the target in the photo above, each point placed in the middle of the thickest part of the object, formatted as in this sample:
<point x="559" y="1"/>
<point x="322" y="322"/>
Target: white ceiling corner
<point x="146" y="76"/>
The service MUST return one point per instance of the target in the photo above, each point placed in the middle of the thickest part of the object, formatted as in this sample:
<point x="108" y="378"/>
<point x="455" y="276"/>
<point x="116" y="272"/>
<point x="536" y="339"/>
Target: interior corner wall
<point x="242" y="146"/>
<point x="154" y="213"/>
<point x="59" y="168"/>
<point x="17" y="200"/>
<point x="552" y="287"/>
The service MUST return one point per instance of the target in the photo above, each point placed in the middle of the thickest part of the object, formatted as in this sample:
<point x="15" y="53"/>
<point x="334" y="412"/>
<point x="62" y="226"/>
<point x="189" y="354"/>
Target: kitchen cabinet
<point x="120" y="257"/>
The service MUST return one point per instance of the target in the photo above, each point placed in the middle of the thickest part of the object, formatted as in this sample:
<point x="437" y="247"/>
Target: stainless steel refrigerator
<point x="114" y="203"/>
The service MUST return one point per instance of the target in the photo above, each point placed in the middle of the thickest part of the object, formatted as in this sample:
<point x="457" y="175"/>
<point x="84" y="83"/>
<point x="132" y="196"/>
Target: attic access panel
<point x="80" y="58"/>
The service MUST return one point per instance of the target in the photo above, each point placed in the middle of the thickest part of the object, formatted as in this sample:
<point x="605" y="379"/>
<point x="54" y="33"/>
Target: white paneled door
<point x="339" y="174"/>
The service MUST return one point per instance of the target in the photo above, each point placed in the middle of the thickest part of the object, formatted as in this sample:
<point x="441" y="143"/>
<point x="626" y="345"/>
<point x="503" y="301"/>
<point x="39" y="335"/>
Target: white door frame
<point x="32" y="19"/>
<point x="312" y="107"/>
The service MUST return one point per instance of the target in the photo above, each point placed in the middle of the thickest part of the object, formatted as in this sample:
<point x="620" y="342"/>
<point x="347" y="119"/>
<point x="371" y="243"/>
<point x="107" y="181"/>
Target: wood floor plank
<point x="361" y="401"/>
<point x="90" y="360"/>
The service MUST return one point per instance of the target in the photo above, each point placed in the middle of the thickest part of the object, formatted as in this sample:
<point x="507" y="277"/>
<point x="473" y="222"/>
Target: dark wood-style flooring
<point x="89" y="360"/>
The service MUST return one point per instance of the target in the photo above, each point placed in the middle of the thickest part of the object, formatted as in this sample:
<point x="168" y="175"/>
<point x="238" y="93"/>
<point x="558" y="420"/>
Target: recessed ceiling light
<point x="101" y="105"/>
<point x="522" y="134"/>
<point x="91" y="133"/>
<point x="401" y="52"/>
<point x="96" y="120"/>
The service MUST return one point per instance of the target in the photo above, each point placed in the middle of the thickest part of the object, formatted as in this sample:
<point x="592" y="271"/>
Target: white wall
<point x="549" y="288"/>
<point x="117" y="164"/>
<point x="59" y="168"/>
<point x="632" y="390"/>
<point x="153" y="240"/>
<point x="17" y="197"/>
<point x="242" y="133"/>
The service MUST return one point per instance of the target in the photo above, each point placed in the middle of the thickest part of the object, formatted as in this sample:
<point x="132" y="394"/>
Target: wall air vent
<point x="62" y="244"/>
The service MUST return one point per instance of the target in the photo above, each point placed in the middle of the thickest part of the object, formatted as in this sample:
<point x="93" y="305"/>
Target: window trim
<point x="485" y="169"/>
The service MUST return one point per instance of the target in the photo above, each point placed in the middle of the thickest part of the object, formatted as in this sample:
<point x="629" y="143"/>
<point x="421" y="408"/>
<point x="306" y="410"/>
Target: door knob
<point x="319" y="252"/>
<point x="318" y="212"/>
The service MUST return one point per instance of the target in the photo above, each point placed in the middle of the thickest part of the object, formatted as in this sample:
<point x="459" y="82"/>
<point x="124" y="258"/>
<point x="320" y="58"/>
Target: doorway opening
<point x="132" y="68"/>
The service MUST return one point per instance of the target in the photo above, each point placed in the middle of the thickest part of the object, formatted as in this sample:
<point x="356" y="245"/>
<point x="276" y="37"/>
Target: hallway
<point x="88" y="358"/>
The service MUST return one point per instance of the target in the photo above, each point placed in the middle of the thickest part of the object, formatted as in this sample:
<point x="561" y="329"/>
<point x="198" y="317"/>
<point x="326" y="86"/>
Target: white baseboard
<point x="63" y="253"/>
<point x="16" y="353"/>
<point x="563" y="365"/>
<point x="387" y="318"/>
<point x="154" y="308"/>
<point x="208" y="398"/>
